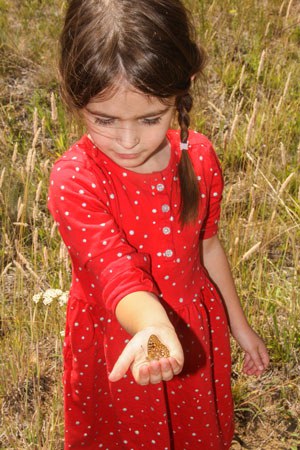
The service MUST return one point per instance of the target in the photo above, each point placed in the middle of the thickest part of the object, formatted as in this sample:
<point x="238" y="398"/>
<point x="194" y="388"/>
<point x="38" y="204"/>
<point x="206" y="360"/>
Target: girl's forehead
<point x="124" y="97"/>
<point x="122" y="91"/>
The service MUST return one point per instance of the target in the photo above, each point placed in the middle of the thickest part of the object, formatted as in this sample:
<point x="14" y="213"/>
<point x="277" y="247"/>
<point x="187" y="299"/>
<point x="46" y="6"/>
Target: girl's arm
<point x="142" y="315"/>
<point x="216" y="263"/>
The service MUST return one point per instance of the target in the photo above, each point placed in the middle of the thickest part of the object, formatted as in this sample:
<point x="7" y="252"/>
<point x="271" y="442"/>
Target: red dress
<point x="123" y="235"/>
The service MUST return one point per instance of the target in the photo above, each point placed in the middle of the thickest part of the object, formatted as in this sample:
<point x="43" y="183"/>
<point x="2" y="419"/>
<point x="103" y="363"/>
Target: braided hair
<point x="188" y="181"/>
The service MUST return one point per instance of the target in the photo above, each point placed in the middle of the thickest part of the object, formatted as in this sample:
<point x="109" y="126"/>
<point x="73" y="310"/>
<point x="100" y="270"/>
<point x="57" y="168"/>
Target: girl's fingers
<point x="252" y="371"/>
<point x="248" y="364"/>
<point x="143" y="375"/>
<point x="156" y="371"/>
<point x="256" y="362"/>
<point x="264" y="356"/>
<point x="176" y="366"/>
<point x="167" y="370"/>
<point x="122" y="365"/>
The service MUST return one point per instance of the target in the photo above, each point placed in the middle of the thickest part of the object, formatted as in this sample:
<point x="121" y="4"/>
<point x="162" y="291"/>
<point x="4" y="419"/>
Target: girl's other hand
<point x="256" y="358"/>
<point x="134" y="356"/>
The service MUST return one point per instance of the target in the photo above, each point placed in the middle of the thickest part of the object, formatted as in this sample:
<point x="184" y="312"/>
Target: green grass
<point x="249" y="106"/>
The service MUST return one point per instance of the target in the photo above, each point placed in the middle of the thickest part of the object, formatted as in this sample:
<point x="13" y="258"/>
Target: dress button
<point x="166" y="230"/>
<point x="160" y="187"/>
<point x="168" y="253"/>
<point x="165" y="208"/>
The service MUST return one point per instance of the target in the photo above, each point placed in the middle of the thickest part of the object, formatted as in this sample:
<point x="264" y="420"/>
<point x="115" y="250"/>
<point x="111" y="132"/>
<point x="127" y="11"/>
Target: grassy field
<point x="249" y="106"/>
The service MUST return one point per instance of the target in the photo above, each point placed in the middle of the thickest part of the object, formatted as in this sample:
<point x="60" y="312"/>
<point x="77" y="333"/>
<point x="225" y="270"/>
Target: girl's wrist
<point x="141" y="310"/>
<point x="243" y="334"/>
<point x="152" y="327"/>
<point x="239" y="327"/>
<point x="155" y="327"/>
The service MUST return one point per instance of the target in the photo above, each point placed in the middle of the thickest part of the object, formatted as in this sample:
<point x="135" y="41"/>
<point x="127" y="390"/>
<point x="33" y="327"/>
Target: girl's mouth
<point x="127" y="155"/>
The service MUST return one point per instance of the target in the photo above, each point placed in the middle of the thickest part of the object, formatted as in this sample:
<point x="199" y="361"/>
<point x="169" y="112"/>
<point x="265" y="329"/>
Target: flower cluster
<point x="49" y="295"/>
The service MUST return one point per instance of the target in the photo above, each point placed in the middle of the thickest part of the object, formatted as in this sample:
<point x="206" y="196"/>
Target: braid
<point x="188" y="181"/>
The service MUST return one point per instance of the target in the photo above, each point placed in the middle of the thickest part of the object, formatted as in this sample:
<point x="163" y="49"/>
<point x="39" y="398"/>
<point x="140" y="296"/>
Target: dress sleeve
<point x="214" y="188"/>
<point x="80" y="207"/>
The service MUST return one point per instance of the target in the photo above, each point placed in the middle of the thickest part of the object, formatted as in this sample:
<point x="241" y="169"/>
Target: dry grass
<point x="251" y="112"/>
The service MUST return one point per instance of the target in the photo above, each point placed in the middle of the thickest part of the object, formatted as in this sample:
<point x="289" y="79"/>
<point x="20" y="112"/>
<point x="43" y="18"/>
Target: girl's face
<point x="130" y="128"/>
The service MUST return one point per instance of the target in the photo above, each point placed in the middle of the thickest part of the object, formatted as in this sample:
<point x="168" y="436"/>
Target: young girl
<point x="137" y="205"/>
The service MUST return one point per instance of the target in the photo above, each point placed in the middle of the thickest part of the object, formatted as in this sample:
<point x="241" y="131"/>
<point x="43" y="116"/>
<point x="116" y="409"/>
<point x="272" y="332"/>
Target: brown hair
<point x="149" y="43"/>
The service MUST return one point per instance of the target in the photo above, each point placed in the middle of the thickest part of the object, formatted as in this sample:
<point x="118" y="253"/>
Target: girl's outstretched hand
<point x="256" y="358"/>
<point x="145" y="371"/>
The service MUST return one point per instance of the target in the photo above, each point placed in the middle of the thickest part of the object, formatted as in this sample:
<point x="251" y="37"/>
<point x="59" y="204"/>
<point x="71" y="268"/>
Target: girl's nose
<point x="128" y="139"/>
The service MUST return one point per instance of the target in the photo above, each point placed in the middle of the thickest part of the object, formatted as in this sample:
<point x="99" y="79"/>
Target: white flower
<point x="62" y="333"/>
<point x="51" y="294"/>
<point x="63" y="298"/>
<point x="37" y="297"/>
<point x="47" y="300"/>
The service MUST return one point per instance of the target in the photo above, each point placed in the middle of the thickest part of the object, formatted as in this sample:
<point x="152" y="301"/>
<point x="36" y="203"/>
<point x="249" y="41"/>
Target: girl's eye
<point x="103" y="122"/>
<point x="153" y="121"/>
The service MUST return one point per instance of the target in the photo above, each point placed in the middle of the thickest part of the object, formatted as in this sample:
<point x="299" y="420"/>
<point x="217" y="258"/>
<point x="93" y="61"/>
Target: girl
<point x="137" y="205"/>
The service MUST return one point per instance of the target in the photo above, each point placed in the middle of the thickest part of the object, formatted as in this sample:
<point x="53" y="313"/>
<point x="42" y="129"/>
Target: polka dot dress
<point x="123" y="235"/>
